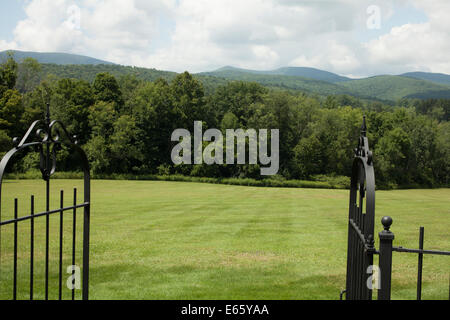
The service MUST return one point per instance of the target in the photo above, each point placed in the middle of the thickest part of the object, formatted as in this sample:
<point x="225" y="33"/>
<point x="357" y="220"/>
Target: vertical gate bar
<point x="358" y="270"/>
<point x="370" y="263"/>
<point x="61" y="243"/>
<point x="353" y="265"/>
<point x="349" y="259"/>
<point x="47" y="227"/>
<point x="353" y="257"/>
<point x="354" y="253"/>
<point x="359" y="262"/>
<point x="86" y="224"/>
<point x="420" y="264"/>
<point x="86" y="231"/>
<point x="349" y="290"/>
<point x="15" y="252"/>
<point x="356" y="266"/>
<point x="74" y="233"/>
<point x="365" y="260"/>
<point x="386" y="238"/>
<point x="32" y="247"/>
<point x="363" y="255"/>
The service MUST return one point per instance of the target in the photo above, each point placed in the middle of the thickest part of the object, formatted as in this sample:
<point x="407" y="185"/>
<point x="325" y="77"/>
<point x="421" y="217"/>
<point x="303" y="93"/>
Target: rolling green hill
<point x="88" y="72"/>
<point x="386" y="88"/>
<point x="303" y="72"/>
<point x="433" y="77"/>
<point x="279" y="81"/>
<point x="419" y="85"/>
<point x="392" y="88"/>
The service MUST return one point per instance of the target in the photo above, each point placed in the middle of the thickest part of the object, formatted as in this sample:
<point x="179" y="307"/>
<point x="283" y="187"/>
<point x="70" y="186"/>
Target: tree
<point x="393" y="157"/>
<point x="441" y="161"/>
<point x="156" y="117"/>
<point x="70" y="103"/>
<point x="188" y="98"/>
<point x="28" y="75"/>
<point x="236" y="97"/>
<point x="106" y="89"/>
<point x="229" y="121"/>
<point x="126" y="149"/>
<point x="8" y="74"/>
<point x="128" y="85"/>
<point x="35" y="102"/>
<point x="102" y="117"/>
<point x="5" y="142"/>
<point x="11" y="111"/>
<point x="308" y="158"/>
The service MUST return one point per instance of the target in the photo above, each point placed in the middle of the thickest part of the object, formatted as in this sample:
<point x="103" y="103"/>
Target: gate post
<point x="385" y="262"/>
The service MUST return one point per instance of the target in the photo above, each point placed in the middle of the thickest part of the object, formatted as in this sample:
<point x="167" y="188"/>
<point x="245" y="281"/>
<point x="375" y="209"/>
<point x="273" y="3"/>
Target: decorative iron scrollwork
<point x="49" y="140"/>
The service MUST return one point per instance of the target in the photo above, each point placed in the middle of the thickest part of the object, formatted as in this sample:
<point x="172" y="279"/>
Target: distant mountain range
<point x="440" y="78"/>
<point x="303" y="72"/>
<point x="53" y="57"/>
<point x="421" y="85"/>
<point x="383" y="87"/>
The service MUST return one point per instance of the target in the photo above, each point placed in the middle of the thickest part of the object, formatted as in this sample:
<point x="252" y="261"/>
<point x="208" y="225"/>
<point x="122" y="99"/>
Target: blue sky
<point x="201" y="35"/>
<point x="11" y="13"/>
<point x="402" y="14"/>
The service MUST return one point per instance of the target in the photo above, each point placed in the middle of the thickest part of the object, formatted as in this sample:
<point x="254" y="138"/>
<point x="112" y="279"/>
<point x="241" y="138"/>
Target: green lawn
<point x="176" y="240"/>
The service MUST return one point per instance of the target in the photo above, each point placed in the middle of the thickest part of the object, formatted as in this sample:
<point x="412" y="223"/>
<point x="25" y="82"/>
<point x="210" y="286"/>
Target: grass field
<point x="175" y="240"/>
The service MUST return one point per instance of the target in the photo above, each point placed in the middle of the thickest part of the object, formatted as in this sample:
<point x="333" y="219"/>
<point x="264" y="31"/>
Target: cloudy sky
<point x="350" y="37"/>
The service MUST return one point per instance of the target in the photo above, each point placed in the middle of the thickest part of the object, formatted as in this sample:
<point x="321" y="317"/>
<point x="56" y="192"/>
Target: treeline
<point x="125" y="125"/>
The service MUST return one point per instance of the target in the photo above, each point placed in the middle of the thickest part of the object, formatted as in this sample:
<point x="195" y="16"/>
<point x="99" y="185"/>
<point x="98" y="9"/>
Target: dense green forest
<point x="125" y="121"/>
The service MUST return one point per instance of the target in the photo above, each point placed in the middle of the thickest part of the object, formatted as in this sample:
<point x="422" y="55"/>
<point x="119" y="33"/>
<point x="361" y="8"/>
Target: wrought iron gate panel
<point x="361" y="221"/>
<point x="48" y="142"/>
<point x="360" y="245"/>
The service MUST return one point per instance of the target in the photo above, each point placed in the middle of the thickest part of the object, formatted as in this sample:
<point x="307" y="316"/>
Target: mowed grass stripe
<point x="176" y="240"/>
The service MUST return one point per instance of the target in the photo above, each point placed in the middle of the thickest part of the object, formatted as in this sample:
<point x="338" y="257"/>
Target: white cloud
<point x="8" y="45"/>
<point x="114" y="30"/>
<point x="420" y="46"/>
<point x="259" y="34"/>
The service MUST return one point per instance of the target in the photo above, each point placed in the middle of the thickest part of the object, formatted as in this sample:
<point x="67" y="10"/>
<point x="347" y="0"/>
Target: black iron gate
<point x="360" y="247"/>
<point x="361" y="220"/>
<point x="47" y="137"/>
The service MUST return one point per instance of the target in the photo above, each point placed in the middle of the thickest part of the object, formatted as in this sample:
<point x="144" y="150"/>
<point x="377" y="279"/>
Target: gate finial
<point x="364" y="127"/>
<point x="387" y="222"/>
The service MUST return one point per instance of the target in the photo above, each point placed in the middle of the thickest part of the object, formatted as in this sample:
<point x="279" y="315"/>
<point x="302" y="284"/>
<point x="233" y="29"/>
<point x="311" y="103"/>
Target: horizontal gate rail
<point x="44" y="213"/>
<point x="420" y="251"/>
